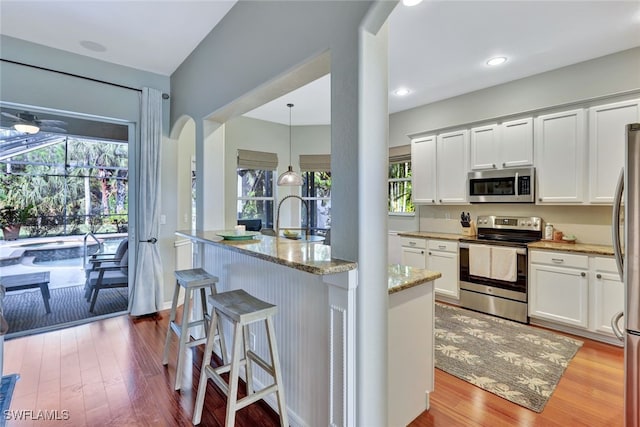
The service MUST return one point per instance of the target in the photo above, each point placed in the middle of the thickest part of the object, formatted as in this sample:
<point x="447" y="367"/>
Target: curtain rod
<point x="164" y="95"/>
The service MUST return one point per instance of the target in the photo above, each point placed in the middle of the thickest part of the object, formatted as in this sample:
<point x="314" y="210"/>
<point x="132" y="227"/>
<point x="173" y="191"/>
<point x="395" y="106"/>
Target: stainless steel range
<point x="494" y="266"/>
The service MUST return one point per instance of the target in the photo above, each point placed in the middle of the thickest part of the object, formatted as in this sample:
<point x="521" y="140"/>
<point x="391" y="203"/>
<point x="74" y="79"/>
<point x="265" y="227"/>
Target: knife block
<point x="471" y="230"/>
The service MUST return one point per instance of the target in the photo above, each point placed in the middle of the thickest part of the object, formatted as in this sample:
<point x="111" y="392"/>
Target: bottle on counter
<point x="548" y="231"/>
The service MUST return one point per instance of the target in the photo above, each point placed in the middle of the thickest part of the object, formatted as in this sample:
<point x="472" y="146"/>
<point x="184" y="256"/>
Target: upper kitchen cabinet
<point x="607" y="124"/>
<point x="423" y="169"/>
<point x="560" y="157"/>
<point x="509" y="144"/>
<point x="452" y="154"/>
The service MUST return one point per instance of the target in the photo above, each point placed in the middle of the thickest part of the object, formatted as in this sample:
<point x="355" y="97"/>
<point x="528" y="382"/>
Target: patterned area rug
<point x="24" y="311"/>
<point x="517" y="362"/>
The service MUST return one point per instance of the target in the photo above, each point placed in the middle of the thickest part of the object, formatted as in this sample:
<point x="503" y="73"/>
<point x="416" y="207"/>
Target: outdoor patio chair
<point x="108" y="277"/>
<point x="104" y="260"/>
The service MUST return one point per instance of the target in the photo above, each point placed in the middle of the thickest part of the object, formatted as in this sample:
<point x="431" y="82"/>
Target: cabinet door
<point x="447" y="264"/>
<point x="423" y="169"/>
<point x="516" y="143"/>
<point x="559" y="294"/>
<point x="607" y="134"/>
<point x="453" y="154"/>
<point x="560" y="157"/>
<point x="414" y="257"/>
<point x="484" y="147"/>
<point x="608" y="300"/>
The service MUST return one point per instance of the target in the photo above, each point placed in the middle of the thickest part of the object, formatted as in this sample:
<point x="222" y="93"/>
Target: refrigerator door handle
<point x="615" y="223"/>
<point x="614" y="325"/>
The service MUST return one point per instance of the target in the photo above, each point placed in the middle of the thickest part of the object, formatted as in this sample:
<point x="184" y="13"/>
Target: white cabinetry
<point x="582" y="292"/>
<point x="560" y="157"/>
<point x="607" y="124"/>
<point x="452" y="155"/>
<point x="485" y="151"/>
<point x="442" y="256"/>
<point x="423" y="169"/>
<point x="559" y="288"/>
<point x="414" y="252"/>
<point x="608" y="294"/>
<point x="509" y="144"/>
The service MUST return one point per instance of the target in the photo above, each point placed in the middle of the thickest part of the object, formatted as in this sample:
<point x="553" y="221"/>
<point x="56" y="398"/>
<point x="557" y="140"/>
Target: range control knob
<point x="529" y="223"/>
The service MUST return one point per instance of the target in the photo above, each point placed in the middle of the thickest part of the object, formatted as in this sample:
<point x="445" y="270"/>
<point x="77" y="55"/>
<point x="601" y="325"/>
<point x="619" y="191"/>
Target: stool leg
<point x="247" y="367"/>
<point x="232" y="397"/>
<point x="205" y="311"/>
<point x="206" y="361"/>
<point x="172" y="318"/>
<point x="184" y="337"/>
<point x="223" y="345"/>
<point x="275" y="362"/>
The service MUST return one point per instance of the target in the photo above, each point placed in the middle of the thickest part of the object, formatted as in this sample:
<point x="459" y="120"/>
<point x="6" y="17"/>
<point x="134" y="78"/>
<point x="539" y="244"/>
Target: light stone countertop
<point x="311" y="257"/>
<point x="584" y="248"/>
<point x="431" y="235"/>
<point x="403" y="277"/>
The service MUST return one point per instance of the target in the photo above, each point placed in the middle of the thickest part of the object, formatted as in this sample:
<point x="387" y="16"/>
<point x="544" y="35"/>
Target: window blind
<point x="400" y="154"/>
<point x="249" y="159"/>
<point x="315" y="162"/>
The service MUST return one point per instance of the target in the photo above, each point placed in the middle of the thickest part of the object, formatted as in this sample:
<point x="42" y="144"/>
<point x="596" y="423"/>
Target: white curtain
<point x="146" y="294"/>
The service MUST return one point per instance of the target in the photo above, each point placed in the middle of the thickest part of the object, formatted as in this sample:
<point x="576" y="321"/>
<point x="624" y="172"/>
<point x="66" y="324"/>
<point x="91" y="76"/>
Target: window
<point x="400" y="201"/>
<point x="316" y="191"/>
<point x="255" y="186"/>
<point x="255" y="195"/>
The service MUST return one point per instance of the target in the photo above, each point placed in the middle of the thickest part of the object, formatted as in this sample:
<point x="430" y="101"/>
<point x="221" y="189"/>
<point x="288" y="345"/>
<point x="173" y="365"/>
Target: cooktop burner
<point x="508" y="230"/>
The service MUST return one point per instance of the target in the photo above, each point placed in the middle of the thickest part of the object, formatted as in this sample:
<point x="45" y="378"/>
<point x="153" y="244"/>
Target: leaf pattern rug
<point x="517" y="362"/>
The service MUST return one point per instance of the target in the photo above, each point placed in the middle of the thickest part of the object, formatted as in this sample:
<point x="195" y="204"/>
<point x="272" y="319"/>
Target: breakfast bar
<point x="315" y="323"/>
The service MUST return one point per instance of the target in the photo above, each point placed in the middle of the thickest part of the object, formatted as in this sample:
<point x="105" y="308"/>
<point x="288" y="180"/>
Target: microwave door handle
<point x="615" y="224"/>
<point x="517" y="183"/>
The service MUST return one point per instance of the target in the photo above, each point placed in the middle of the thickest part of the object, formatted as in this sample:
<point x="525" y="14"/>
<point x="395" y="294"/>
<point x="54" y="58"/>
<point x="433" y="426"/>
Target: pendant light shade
<point x="290" y="178"/>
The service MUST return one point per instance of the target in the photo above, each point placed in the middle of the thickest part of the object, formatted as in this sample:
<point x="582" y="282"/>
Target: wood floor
<point x="110" y="373"/>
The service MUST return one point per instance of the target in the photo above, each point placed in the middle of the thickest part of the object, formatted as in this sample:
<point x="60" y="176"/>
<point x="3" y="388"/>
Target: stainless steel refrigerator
<point x="627" y="251"/>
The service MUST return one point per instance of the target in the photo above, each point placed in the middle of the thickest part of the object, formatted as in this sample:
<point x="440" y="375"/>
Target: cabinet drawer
<point x="559" y="258"/>
<point x="605" y="264"/>
<point x="443" y="245"/>
<point x="412" y="242"/>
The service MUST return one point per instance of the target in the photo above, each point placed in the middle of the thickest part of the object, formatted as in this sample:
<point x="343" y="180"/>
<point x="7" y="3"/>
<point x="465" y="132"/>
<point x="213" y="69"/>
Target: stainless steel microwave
<point x="502" y="186"/>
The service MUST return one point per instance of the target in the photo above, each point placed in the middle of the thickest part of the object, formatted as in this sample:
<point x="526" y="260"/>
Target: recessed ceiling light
<point x="411" y="2"/>
<point x="403" y="91"/>
<point x="496" y="61"/>
<point x="94" y="46"/>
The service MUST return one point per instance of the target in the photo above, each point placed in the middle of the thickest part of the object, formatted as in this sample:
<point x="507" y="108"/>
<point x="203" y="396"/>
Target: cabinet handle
<point x="421" y="252"/>
<point x="493" y="165"/>
<point x="539" y="199"/>
<point x="412" y="243"/>
<point x="504" y="165"/>
<point x="598" y="276"/>
<point x="557" y="260"/>
<point x="583" y="274"/>
<point x="442" y="247"/>
<point x="429" y="252"/>
<point x="440" y="200"/>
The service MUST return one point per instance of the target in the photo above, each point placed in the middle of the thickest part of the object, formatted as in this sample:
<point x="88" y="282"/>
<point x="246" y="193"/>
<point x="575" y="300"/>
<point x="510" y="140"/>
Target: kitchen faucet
<point x="306" y="207"/>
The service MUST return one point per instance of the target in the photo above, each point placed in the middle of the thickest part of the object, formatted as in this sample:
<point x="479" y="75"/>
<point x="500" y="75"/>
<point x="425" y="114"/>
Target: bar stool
<point x="241" y="309"/>
<point x="191" y="280"/>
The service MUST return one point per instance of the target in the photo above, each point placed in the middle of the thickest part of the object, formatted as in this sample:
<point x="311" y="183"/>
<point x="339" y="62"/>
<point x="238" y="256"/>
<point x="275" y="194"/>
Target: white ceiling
<point x="437" y="49"/>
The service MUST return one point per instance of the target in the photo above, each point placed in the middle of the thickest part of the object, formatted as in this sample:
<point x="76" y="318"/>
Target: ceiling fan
<point x="29" y="123"/>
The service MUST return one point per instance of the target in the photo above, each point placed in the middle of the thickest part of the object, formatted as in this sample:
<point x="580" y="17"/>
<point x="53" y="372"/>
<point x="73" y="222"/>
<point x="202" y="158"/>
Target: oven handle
<point x="519" y="251"/>
<point x="516" y="184"/>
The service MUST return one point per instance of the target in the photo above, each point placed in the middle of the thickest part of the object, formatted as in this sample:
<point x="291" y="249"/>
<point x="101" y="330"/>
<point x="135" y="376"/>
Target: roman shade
<point x="249" y="159"/>
<point x="400" y="154"/>
<point x="315" y="162"/>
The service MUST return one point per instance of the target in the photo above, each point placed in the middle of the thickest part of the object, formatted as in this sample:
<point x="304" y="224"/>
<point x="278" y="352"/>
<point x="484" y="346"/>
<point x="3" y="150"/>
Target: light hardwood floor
<point x="109" y="373"/>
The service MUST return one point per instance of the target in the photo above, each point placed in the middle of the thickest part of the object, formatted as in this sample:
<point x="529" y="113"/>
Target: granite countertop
<point x="431" y="235"/>
<point x="311" y="257"/>
<point x="584" y="248"/>
<point x="403" y="277"/>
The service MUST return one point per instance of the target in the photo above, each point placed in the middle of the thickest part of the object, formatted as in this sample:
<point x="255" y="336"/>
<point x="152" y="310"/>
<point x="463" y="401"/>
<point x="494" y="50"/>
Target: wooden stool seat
<point x="241" y="309"/>
<point x="191" y="280"/>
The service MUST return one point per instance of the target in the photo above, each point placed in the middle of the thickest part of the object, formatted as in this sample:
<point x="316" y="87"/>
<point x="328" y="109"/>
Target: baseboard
<point x="576" y="331"/>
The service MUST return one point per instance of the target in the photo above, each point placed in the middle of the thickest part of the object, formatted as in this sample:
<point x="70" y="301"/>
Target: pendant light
<point x="290" y="178"/>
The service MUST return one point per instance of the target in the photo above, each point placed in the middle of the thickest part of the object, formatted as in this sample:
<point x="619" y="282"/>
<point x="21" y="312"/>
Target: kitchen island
<point x="315" y="324"/>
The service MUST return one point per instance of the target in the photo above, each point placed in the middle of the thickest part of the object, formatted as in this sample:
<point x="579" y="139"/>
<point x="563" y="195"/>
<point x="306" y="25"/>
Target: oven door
<point x="516" y="290"/>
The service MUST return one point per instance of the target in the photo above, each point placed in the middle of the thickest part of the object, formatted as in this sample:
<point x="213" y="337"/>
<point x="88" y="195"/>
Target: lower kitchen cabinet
<point x="442" y="256"/>
<point x="579" y="291"/>
<point x="414" y="252"/>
